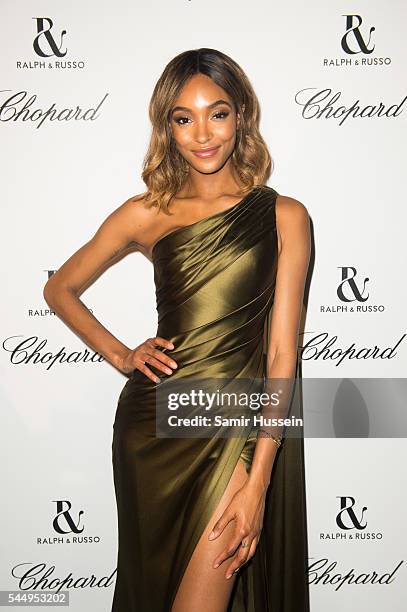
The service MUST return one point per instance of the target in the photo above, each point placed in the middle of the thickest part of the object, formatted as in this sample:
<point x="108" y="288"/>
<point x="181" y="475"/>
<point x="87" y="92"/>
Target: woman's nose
<point x="202" y="132"/>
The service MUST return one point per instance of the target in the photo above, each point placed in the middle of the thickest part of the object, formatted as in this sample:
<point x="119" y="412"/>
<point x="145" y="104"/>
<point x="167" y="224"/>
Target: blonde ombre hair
<point x="164" y="168"/>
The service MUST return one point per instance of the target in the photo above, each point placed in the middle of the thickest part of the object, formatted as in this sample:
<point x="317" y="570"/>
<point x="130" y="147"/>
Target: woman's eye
<point x="178" y="120"/>
<point x="223" y="114"/>
<point x="184" y="120"/>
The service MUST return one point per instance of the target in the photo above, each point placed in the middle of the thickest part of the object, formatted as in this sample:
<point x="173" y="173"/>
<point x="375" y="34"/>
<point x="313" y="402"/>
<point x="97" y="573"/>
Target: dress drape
<point x="215" y="282"/>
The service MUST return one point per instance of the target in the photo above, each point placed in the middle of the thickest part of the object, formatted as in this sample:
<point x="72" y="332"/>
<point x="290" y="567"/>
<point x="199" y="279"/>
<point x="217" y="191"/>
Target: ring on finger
<point x="244" y="544"/>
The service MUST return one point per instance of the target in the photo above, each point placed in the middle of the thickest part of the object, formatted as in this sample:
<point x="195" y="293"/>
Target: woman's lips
<point x="206" y="152"/>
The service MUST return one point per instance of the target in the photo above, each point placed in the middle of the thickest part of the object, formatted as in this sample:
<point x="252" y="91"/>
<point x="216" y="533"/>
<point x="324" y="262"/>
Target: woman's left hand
<point x="247" y="510"/>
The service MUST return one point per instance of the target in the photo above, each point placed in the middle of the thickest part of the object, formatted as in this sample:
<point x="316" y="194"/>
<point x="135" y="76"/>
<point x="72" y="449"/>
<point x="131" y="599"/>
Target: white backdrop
<point x="61" y="177"/>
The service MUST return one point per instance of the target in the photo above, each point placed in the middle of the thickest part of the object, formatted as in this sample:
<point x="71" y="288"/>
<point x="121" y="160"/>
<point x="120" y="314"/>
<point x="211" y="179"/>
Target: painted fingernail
<point x="173" y="364"/>
<point x="211" y="535"/>
<point x="168" y="371"/>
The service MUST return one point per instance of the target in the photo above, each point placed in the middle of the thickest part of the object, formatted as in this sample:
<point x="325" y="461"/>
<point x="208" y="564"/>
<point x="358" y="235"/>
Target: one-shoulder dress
<point x="215" y="282"/>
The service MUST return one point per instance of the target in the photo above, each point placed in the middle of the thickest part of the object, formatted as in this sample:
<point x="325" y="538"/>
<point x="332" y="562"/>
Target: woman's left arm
<point x="247" y="506"/>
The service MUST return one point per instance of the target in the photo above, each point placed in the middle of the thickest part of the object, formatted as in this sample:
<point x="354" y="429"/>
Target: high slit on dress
<point x="215" y="282"/>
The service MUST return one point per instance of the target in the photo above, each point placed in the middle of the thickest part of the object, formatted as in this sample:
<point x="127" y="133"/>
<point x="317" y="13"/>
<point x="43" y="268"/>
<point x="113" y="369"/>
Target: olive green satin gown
<point x="215" y="283"/>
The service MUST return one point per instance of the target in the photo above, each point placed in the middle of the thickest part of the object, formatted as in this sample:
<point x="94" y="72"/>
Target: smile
<point x="206" y="152"/>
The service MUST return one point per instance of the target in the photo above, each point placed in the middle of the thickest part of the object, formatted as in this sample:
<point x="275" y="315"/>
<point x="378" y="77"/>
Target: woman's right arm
<point x="119" y="230"/>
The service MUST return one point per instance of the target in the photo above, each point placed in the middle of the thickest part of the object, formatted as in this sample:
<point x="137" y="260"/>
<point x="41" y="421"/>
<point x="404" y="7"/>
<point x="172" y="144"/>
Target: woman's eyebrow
<point x="188" y="110"/>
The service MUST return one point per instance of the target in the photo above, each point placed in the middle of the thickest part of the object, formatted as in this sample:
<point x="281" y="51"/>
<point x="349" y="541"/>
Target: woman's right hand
<point x="147" y="352"/>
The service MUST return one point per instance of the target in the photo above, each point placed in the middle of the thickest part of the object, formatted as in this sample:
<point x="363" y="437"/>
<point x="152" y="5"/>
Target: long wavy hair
<point x="165" y="170"/>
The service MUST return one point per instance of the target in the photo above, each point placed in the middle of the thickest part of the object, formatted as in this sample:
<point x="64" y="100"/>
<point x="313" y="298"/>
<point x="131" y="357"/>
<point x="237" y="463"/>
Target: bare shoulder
<point x="136" y="216"/>
<point x="289" y="210"/>
<point x="292" y="221"/>
<point x="133" y="210"/>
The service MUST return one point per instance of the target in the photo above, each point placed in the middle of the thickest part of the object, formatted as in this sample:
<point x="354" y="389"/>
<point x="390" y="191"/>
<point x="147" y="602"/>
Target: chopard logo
<point x="322" y="348"/>
<point x="20" y="107"/>
<point x="326" y="573"/>
<point x="31" y="351"/>
<point x="40" y="576"/>
<point x="326" y="104"/>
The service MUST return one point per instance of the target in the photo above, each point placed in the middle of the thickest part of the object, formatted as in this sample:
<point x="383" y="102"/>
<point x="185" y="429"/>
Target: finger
<point x="157" y="354"/>
<point x="253" y="547"/>
<point x="240" y="558"/>
<point x="158" y="340"/>
<point x="157" y="364"/>
<point x="148" y="373"/>
<point x="232" y="547"/>
<point x="226" y="554"/>
<point x="240" y="534"/>
<point x="220" y="525"/>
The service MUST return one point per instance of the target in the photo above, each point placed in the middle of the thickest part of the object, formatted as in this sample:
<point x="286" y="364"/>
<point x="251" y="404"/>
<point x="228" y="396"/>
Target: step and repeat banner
<point x="76" y="79"/>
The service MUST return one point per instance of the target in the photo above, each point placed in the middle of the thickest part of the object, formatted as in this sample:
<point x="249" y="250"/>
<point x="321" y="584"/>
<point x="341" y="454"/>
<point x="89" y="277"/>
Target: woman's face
<point x="203" y="117"/>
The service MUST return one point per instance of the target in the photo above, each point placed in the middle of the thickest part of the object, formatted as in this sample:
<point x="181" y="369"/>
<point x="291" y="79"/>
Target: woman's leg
<point x="203" y="588"/>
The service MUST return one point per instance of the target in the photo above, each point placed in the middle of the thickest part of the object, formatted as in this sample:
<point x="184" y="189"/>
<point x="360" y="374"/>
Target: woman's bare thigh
<point x="202" y="587"/>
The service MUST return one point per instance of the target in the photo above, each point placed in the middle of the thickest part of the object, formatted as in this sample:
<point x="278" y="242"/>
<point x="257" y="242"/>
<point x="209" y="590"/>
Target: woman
<point x="230" y="258"/>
